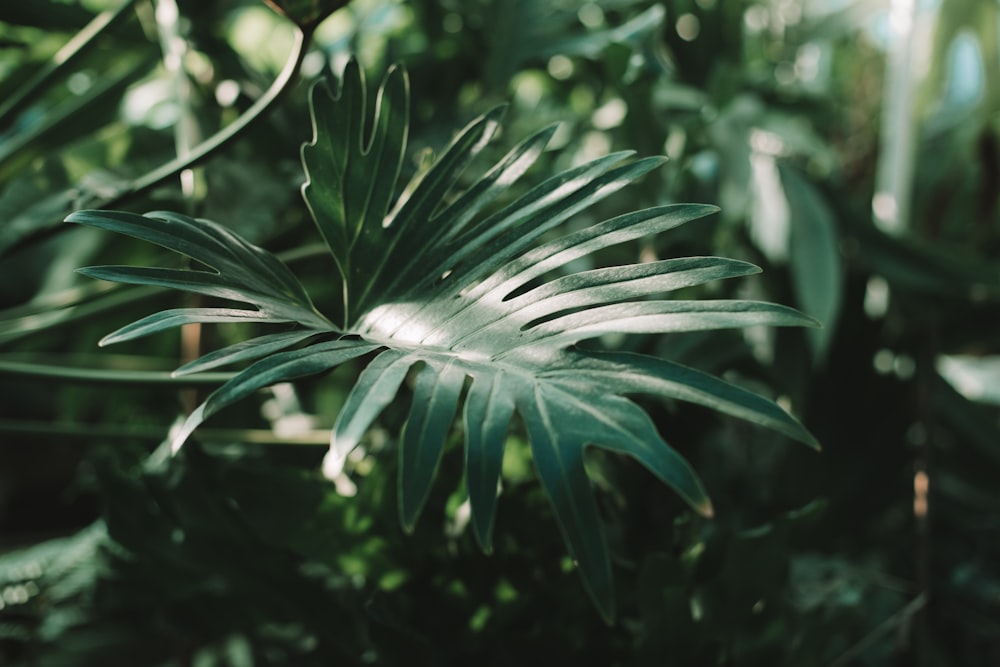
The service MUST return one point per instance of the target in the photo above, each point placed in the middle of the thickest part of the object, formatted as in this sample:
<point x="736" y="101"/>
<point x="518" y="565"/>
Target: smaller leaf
<point x="176" y="317"/>
<point x="658" y="317"/>
<point x="276" y="368"/>
<point x="198" y="282"/>
<point x="558" y="457"/>
<point x="620" y="425"/>
<point x="351" y="176"/>
<point x="816" y="266"/>
<point x="375" y="389"/>
<point x="489" y="407"/>
<point x="240" y="271"/>
<point x="435" y="402"/>
<point x="248" y="350"/>
<point x="622" y="372"/>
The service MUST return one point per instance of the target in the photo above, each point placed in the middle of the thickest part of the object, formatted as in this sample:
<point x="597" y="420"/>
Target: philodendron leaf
<point x="438" y="283"/>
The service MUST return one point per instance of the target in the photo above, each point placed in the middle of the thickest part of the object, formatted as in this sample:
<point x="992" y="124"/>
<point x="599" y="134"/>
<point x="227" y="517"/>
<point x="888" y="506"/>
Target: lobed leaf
<point x="240" y="271"/>
<point x="627" y="373"/>
<point x="437" y="284"/>
<point x="170" y="319"/>
<point x="351" y="175"/>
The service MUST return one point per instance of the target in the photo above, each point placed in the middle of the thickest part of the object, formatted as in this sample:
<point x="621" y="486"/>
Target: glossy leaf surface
<point x="438" y="283"/>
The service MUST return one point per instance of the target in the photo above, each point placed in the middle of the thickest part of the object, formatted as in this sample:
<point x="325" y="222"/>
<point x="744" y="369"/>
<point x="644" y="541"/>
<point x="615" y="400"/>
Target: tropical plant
<point x="446" y="283"/>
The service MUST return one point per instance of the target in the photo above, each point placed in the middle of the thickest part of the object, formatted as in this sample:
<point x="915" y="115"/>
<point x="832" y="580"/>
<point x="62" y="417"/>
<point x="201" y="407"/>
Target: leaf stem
<point x="107" y="376"/>
<point x="66" y="430"/>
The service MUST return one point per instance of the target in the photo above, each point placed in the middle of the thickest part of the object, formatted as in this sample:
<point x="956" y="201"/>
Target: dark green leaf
<point x="817" y="272"/>
<point x="438" y="283"/>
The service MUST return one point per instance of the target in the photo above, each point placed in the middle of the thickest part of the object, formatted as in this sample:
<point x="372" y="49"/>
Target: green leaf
<point x="558" y="456"/>
<point x="176" y="317"/>
<point x="248" y="350"/>
<point x="375" y="389"/>
<point x="489" y="408"/>
<point x="817" y="271"/>
<point x="627" y="373"/>
<point x="352" y="174"/>
<point x="279" y="367"/>
<point x="423" y="438"/>
<point x="477" y="302"/>
<point x="240" y="271"/>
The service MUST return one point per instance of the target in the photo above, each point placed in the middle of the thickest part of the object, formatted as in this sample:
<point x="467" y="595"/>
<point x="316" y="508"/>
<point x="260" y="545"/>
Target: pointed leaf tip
<point x="193" y="421"/>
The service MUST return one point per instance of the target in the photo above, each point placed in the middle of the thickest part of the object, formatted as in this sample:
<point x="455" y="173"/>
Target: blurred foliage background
<point x="853" y="148"/>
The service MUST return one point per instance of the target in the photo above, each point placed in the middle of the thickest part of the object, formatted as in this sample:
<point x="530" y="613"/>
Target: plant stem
<point x="156" y="433"/>
<point x="894" y="181"/>
<point x="108" y="376"/>
<point x="198" y="154"/>
<point x="186" y="136"/>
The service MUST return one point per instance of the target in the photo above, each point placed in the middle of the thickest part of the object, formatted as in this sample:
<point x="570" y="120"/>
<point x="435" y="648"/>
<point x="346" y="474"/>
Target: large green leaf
<point x="441" y="283"/>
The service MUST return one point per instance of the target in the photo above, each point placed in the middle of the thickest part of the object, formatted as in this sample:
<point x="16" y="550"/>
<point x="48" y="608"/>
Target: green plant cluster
<point x="494" y="308"/>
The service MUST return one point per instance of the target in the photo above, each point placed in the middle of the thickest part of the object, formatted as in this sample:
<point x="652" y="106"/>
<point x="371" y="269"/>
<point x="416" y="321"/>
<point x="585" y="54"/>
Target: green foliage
<point x="446" y="286"/>
<point x="237" y="551"/>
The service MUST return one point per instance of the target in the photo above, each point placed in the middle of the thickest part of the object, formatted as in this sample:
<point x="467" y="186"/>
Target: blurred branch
<point x="61" y="61"/>
<point x="30" y="319"/>
<point x="199" y="153"/>
<point x="894" y="182"/>
<point x="174" y="49"/>
<point x="155" y="433"/>
<point x="186" y="136"/>
<point x="107" y="376"/>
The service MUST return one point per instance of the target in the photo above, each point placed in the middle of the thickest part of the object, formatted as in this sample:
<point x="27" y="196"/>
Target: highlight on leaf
<point x="471" y="291"/>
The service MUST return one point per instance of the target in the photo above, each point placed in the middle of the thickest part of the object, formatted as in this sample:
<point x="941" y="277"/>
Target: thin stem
<point x="186" y="136"/>
<point x="108" y="376"/>
<point x="155" y="433"/>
